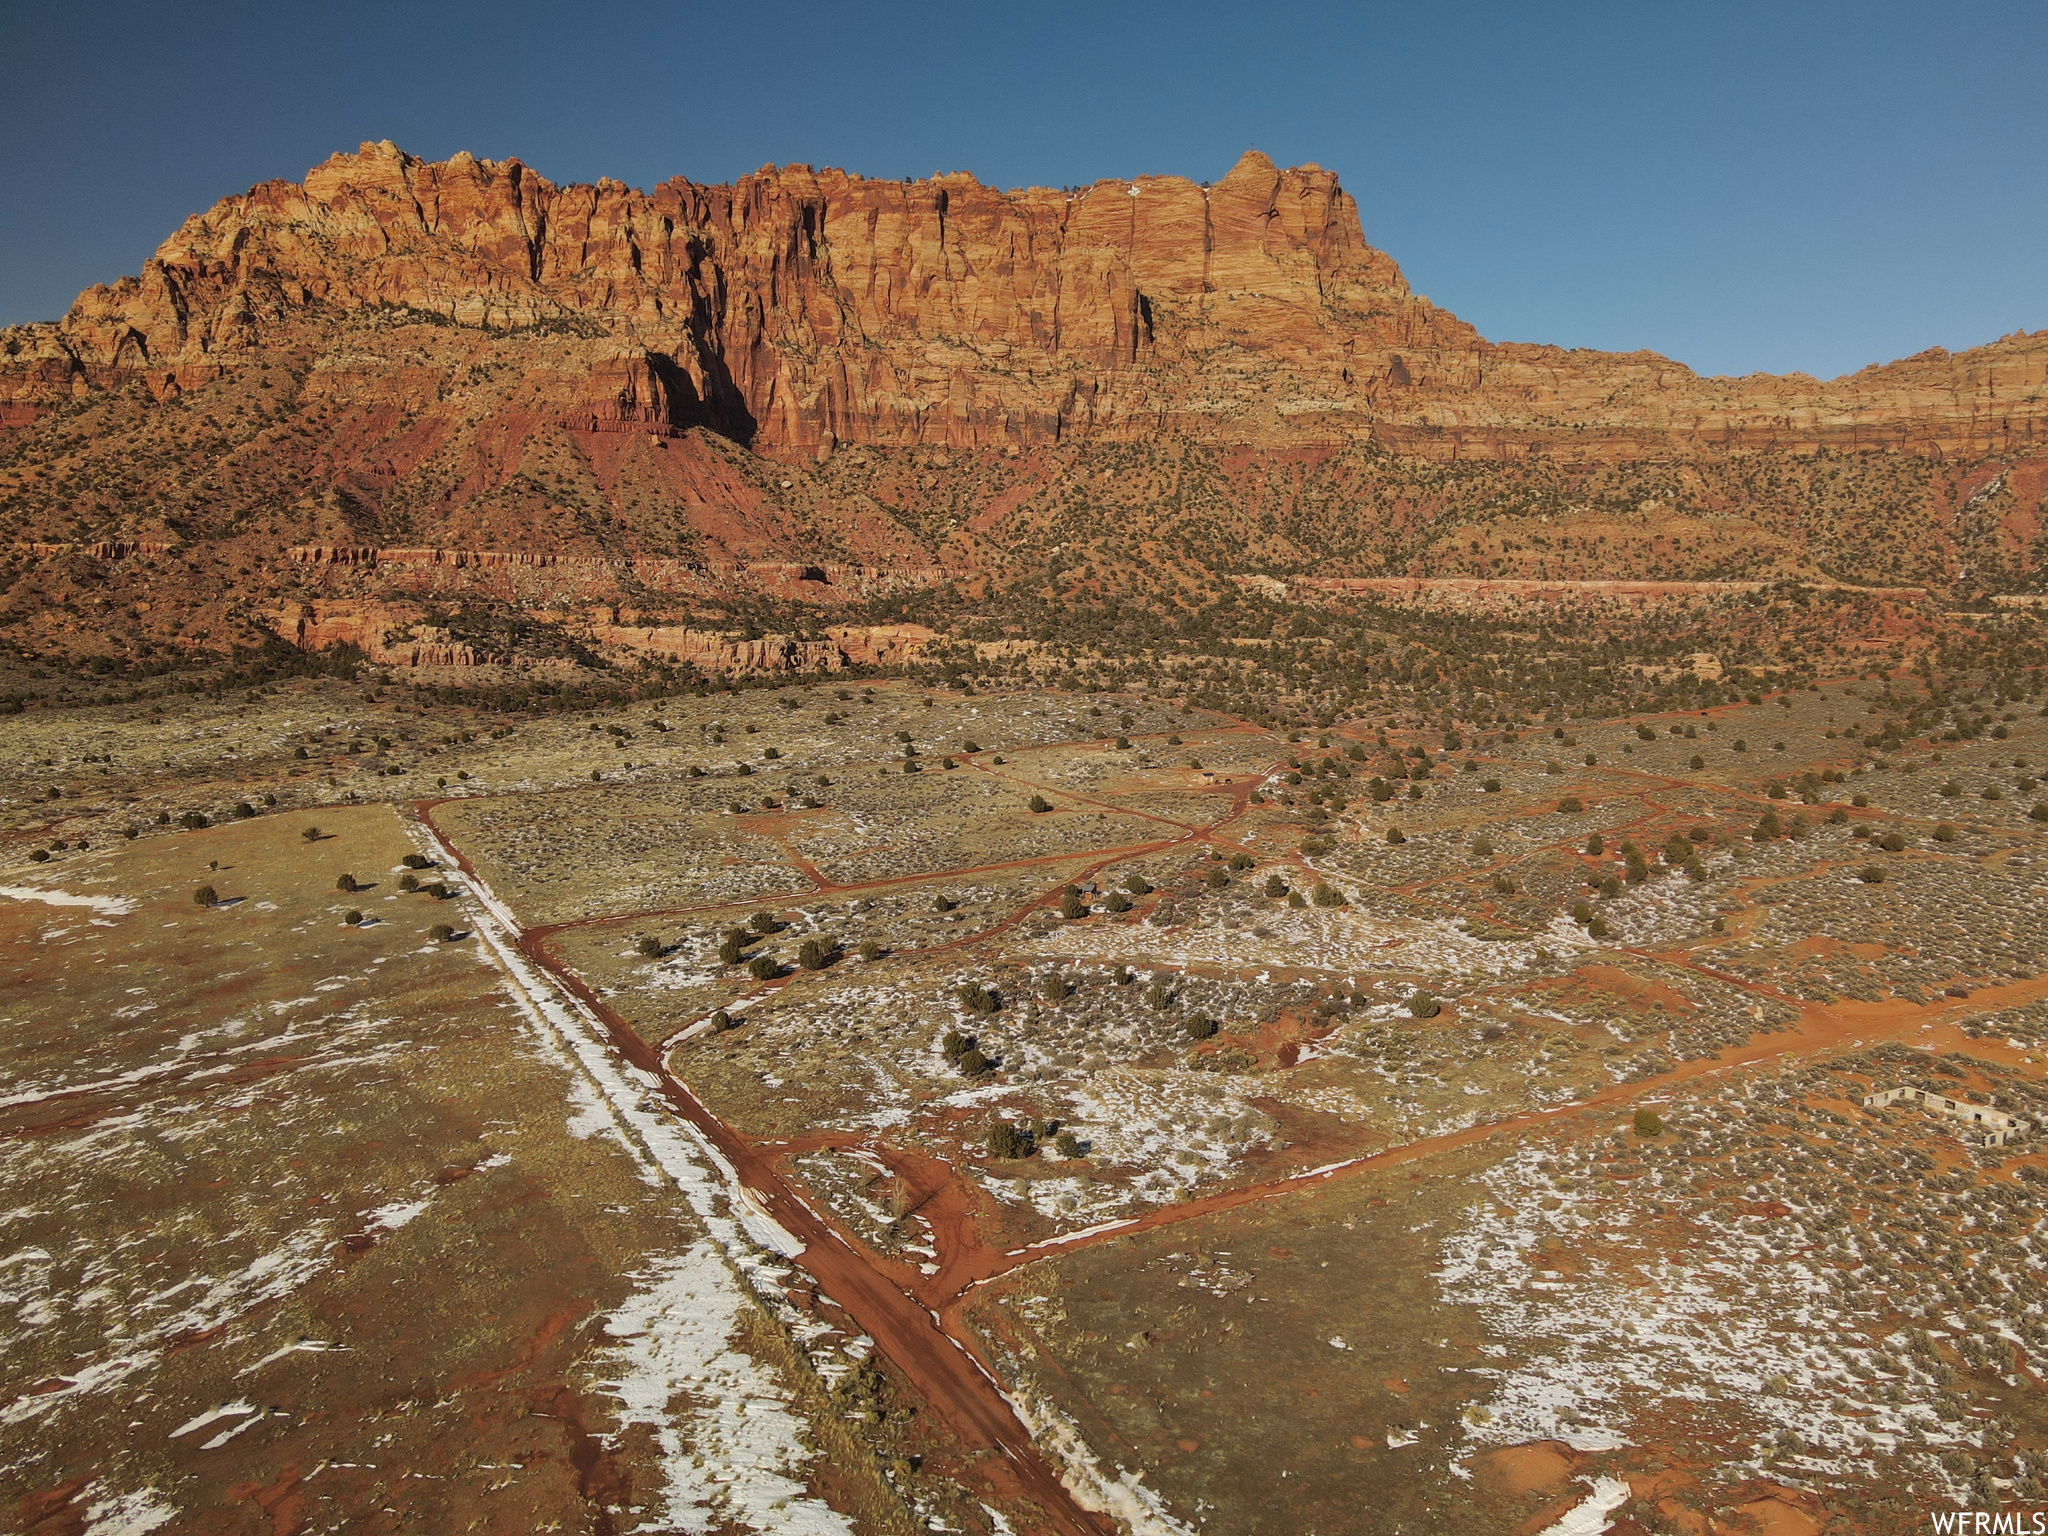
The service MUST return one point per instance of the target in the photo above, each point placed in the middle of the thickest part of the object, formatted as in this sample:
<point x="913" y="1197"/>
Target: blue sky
<point x="1740" y="186"/>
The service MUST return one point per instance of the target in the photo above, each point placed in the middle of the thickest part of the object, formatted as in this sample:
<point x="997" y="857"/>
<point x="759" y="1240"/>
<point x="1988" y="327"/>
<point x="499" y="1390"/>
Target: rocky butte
<point x="830" y="389"/>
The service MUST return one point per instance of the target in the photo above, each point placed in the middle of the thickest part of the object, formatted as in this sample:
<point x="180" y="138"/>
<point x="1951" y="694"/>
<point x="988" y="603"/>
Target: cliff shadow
<point x="720" y="406"/>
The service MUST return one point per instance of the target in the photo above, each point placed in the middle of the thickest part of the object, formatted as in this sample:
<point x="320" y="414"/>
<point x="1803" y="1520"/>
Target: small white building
<point x="1998" y="1126"/>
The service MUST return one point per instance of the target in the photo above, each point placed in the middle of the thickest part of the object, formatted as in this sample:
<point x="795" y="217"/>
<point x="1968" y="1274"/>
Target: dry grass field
<point x="1306" y="1131"/>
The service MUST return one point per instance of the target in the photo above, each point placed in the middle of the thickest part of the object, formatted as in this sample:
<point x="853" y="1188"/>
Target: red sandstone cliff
<point x="455" y="387"/>
<point x="801" y="309"/>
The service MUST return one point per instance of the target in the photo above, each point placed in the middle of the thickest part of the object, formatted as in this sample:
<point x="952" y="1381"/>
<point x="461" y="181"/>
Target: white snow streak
<point x="730" y="1461"/>
<point x="128" y="1514"/>
<point x="106" y="906"/>
<point x="1123" y="1496"/>
<point x="675" y="1335"/>
<point x="1593" y="1514"/>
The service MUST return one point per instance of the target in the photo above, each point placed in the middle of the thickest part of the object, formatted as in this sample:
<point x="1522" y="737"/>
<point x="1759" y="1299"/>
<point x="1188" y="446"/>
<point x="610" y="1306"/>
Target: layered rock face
<point x="393" y="634"/>
<point x="349" y="408"/>
<point x="798" y="310"/>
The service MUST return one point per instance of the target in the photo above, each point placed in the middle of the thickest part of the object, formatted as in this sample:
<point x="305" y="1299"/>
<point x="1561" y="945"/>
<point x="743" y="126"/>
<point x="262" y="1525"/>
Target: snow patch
<point x="733" y="1450"/>
<point x="106" y="906"/>
<point x="390" y="1218"/>
<point x="226" y="1410"/>
<point x="128" y="1514"/>
<point x="1594" y="1513"/>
